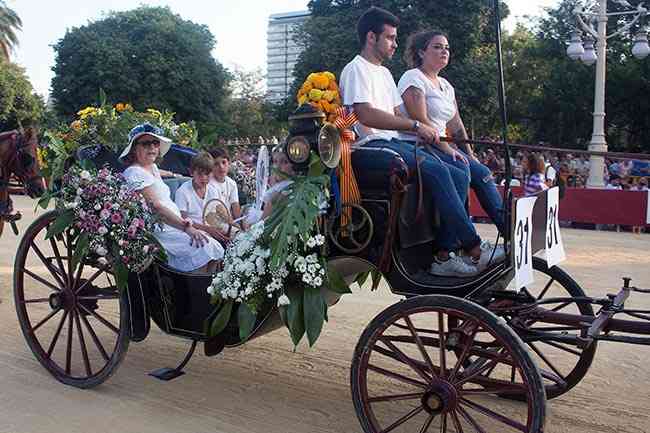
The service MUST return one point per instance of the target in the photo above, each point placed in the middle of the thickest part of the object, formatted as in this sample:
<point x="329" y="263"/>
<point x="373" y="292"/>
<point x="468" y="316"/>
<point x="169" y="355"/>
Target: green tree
<point x="10" y="23"/>
<point x="149" y="57"/>
<point x="18" y="103"/>
<point x="561" y="111"/>
<point x="248" y="112"/>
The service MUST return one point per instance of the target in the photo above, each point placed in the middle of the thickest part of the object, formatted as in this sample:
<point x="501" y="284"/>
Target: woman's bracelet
<point x="186" y="225"/>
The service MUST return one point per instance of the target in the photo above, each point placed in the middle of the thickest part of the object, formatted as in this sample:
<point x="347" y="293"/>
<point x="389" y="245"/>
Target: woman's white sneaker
<point x="452" y="267"/>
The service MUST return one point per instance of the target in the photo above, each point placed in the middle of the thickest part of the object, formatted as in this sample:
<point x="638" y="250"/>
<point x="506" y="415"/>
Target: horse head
<point x="18" y="156"/>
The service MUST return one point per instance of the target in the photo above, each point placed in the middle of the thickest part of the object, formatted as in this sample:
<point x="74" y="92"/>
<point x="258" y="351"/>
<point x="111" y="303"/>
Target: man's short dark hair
<point x="220" y="152"/>
<point x="373" y="20"/>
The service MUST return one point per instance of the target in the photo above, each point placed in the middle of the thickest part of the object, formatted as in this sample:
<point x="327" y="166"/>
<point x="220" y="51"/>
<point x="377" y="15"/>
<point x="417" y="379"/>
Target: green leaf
<point x="295" y="317"/>
<point x="336" y="282"/>
<point x="295" y="212"/>
<point x="121" y="275"/>
<point x="362" y="278"/>
<point x="313" y="313"/>
<point x="316" y="166"/>
<point x="246" y="319"/>
<point x="80" y="249"/>
<point x="44" y="201"/>
<point x="62" y="222"/>
<point x="221" y="320"/>
<point x="376" y="278"/>
<point x="102" y="97"/>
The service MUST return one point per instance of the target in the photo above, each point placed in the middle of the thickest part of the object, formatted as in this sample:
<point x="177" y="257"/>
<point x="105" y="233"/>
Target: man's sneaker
<point x="489" y="256"/>
<point x="452" y="267"/>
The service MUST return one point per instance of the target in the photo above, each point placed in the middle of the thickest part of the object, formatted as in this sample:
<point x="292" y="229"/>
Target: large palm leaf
<point x="10" y="23"/>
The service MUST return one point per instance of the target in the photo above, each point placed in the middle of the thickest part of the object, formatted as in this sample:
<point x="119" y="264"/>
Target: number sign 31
<point x="523" y="233"/>
<point x="554" y="250"/>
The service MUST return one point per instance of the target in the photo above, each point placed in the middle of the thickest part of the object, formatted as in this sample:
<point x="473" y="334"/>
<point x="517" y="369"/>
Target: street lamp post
<point x="586" y="16"/>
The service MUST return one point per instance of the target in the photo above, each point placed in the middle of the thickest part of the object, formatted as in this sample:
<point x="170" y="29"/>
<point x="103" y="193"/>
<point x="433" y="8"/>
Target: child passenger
<point x="225" y="186"/>
<point x="192" y="196"/>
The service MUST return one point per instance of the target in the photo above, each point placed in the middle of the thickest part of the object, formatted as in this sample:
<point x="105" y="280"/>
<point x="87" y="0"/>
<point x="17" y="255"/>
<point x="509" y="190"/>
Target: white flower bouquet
<point x="279" y="263"/>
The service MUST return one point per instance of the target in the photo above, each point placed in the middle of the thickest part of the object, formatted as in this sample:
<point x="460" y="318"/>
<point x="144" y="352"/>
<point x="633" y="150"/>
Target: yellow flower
<point x="330" y="76"/>
<point x="315" y="95"/>
<point x="329" y="95"/>
<point x="311" y="77"/>
<point x="76" y="125"/>
<point x="119" y="106"/>
<point x="302" y="99"/>
<point x="154" y="112"/>
<point x="88" y="111"/>
<point x="320" y="81"/>
<point x="306" y="87"/>
<point x="325" y="106"/>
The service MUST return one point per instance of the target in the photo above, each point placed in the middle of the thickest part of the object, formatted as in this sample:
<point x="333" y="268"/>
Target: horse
<point x="18" y="157"/>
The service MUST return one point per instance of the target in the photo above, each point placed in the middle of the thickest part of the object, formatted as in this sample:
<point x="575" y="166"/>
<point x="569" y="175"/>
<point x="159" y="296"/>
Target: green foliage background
<point x="18" y="103"/>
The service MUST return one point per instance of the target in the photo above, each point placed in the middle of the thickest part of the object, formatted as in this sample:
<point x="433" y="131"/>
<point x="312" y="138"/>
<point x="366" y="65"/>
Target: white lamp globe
<point x="575" y="49"/>
<point x="589" y="56"/>
<point x="641" y="49"/>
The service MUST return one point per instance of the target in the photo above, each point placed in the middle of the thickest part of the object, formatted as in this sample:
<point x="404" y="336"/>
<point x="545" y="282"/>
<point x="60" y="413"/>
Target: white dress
<point x="180" y="254"/>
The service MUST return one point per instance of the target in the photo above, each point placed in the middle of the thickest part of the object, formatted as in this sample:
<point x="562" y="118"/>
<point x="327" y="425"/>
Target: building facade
<point x="282" y="52"/>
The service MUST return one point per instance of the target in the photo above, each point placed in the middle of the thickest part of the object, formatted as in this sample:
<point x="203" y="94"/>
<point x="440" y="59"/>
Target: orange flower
<point x="320" y="81"/>
<point x="333" y="86"/>
<point x="325" y="106"/>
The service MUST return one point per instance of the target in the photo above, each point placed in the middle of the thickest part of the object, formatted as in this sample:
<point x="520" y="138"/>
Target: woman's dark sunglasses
<point x="149" y="143"/>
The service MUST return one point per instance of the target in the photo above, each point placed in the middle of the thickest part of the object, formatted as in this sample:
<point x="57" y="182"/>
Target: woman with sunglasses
<point x="431" y="100"/>
<point x="188" y="249"/>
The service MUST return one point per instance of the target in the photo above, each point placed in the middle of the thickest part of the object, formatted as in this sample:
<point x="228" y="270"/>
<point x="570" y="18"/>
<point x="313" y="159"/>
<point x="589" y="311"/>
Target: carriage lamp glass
<point x="641" y="49"/>
<point x="329" y="145"/>
<point x="575" y="49"/>
<point x="298" y="150"/>
<point x="589" y="57"/>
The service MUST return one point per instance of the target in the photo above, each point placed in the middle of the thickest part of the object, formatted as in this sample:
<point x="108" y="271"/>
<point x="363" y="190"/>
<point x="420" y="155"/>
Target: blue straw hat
<point x="147" y="129"/>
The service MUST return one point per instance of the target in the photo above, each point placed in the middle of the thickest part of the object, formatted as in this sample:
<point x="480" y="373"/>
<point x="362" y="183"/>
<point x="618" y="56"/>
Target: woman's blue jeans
<point x="449" y="186"/>
<point x="482" y="182"/>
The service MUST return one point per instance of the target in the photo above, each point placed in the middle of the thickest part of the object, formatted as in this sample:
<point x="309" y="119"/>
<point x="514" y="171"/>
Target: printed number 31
<point x="522" y="233"/>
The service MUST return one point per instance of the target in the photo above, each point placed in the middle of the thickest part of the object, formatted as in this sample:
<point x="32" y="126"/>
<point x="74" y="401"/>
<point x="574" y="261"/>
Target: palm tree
<point x="9" y="23"/>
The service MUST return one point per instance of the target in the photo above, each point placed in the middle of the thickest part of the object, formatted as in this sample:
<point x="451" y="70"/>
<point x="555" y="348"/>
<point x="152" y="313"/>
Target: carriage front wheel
<point x="438" y="364"/>
<point x="73" y="317"/>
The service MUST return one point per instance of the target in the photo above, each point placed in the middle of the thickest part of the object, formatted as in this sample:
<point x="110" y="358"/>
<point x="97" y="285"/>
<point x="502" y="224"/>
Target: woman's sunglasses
<point x="149" y="143"/>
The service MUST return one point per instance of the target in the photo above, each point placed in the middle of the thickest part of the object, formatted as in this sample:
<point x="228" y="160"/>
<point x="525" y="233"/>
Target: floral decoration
<point x="105" y="125"/>
<point x="110" y="221"/>
<point x="321" y="91"/>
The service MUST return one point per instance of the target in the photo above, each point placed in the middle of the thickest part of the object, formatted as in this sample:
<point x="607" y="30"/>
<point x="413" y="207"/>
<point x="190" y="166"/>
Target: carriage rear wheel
<point x="436" y="363"/>
<point x="74" y="318"/>
<point x="561" y="364"/>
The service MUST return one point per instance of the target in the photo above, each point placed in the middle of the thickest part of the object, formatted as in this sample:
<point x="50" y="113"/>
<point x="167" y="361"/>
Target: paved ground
<point x="265" y="387"/>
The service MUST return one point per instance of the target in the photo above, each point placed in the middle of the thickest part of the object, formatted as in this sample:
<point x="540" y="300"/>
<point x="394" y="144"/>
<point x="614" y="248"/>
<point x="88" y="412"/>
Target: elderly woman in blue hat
<point x="188" y="249"/>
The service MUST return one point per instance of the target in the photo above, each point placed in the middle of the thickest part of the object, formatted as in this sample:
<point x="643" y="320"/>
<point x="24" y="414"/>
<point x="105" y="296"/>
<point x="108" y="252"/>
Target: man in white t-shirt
<point x="369" y="88"/>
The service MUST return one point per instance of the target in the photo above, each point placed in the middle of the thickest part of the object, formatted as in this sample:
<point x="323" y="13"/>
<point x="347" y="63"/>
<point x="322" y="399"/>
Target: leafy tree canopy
<point x="148" y="57"/>
<point x="9" y="23"/>
<point x="18" y="103"/>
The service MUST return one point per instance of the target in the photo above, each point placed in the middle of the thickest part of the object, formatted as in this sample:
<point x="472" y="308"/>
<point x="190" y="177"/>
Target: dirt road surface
<point x="264" y="387"/>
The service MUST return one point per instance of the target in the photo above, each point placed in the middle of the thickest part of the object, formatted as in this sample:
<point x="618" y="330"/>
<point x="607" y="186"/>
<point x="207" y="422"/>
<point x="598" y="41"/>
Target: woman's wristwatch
<point x="416" y="126"/>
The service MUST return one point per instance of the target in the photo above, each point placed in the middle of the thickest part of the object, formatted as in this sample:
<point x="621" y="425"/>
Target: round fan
<point x="261" y="175"/>
<point x="216" y="214"/>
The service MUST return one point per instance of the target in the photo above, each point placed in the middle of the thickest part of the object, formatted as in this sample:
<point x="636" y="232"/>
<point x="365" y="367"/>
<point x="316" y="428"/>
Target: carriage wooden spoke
<point x="404" y="379"/>
<point x="76" y="323"/>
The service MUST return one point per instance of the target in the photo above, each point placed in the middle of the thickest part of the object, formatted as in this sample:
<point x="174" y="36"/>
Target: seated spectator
<point x="614" y="182"/>
<point x="534" y="182"/>
<point x="188" y="248"/>
<point x="642" y="185"/>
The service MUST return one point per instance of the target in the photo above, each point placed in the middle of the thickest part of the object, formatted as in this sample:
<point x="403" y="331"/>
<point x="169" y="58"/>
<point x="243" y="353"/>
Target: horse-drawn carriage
<point x="482" y="353"/>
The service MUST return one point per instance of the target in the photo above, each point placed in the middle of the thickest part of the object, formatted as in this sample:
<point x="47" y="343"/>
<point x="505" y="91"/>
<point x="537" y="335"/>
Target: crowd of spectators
<point x="630" y="175"/>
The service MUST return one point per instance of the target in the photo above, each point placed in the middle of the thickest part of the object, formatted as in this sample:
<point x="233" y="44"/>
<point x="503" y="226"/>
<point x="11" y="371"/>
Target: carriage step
<point x="167" y="373"/>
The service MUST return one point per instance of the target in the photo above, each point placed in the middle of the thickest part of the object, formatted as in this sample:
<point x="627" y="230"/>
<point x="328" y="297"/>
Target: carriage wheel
<point x="412" y="371"/>
<point x="562" y="365"/>
<point x="73" y="317"/>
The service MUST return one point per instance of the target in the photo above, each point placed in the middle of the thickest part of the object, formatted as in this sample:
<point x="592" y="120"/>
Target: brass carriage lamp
<point x="308" y="131"/>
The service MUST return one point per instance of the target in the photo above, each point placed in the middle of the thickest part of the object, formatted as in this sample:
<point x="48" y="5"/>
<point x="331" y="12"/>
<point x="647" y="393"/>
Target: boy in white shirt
<point x="225" y="186"/>
<point x="192" y="196"/>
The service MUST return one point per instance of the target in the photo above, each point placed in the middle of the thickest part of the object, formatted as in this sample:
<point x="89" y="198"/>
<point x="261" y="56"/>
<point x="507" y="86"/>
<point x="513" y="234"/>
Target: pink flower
<point x="116" y="218"/>
<point x="105" y="213"/>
